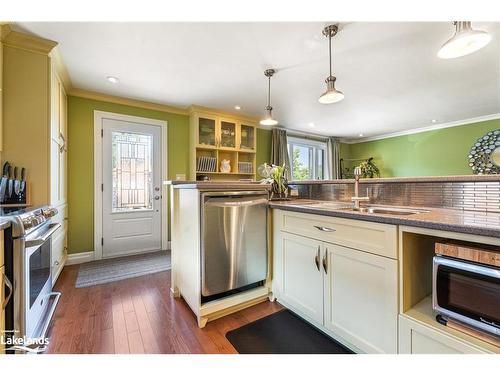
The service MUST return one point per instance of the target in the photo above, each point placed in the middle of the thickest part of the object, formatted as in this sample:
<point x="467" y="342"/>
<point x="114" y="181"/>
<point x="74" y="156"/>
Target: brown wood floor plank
<point x="137" y="315"/>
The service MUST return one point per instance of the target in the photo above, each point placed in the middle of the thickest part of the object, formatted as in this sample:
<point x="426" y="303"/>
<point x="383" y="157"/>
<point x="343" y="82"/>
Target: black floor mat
<point x="283" y="333"/>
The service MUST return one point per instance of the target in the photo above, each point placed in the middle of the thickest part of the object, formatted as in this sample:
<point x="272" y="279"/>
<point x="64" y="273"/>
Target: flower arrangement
<point x="275" y="175"/>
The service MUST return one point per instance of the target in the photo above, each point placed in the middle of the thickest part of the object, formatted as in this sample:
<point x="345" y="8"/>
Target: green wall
<point x="442" y="152"/>
<point x="81" y="160"/>
<point x="263" y="147"/>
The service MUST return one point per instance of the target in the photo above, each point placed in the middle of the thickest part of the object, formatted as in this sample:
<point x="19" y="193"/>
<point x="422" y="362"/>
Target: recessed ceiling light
<point x="311" y="125"/>
<point x="434" y="121"/>
<point x="237" y="107"/>
<point x="112" y="79"/>
<point x="360" y="134"/>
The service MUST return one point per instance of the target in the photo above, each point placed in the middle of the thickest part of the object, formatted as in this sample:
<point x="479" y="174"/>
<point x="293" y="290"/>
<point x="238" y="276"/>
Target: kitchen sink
<point x="386" y="210"/>
<point x="367" y="209"/>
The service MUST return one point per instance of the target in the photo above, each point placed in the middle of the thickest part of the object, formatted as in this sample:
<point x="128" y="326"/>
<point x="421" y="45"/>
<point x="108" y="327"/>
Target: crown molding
<point x="62" y="72"/>
<point x="127" y="101"/>
<point x="494" y="116"/>
<point x="26" y="42"/>
<point x="216" y="112"/>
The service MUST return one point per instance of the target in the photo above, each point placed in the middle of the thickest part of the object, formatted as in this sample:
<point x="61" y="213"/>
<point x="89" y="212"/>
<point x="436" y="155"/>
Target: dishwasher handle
<point x="239" y="201"/>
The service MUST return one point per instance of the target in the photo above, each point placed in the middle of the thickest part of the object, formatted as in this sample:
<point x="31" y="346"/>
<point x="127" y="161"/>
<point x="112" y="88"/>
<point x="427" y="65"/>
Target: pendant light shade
<point x="464" y="42"/>
<point x="331" y="95"/>
<point x="268" y="118"/>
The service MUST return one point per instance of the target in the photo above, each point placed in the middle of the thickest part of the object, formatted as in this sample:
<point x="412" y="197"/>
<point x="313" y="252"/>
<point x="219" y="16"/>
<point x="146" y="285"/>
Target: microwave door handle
<point x="42" y="239"/>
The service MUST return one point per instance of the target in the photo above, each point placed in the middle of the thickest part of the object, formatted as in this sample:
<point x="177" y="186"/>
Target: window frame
<point x="313" y="159"/>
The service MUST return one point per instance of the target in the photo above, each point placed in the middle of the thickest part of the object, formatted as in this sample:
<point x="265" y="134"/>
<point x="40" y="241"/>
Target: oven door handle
<point x="42" y="239"/>
<point x="6" y="283"/>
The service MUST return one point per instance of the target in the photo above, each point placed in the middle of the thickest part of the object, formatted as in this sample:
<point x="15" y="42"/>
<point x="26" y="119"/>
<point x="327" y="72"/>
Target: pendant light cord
<point x="268" y="91"/>
<point x="330" y="50"/>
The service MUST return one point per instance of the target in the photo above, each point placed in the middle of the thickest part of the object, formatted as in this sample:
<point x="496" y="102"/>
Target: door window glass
<point x="132" y="169"/>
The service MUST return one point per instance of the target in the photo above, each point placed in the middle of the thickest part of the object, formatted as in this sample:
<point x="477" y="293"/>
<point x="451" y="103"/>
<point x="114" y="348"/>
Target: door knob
<point x="157" y="197"/>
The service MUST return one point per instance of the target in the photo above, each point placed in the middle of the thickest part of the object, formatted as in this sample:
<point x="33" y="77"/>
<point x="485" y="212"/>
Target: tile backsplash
<point x="471" y="196"/>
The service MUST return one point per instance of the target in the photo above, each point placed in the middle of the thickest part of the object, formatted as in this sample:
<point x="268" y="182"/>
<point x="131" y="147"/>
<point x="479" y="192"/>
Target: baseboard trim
<point x="80" y="258"/>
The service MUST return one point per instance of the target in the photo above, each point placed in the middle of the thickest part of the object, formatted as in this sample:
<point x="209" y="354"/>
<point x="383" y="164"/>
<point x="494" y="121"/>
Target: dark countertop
<point x="214" y="185"/>
<point x="4" y="223"/>
<point x="437" y="179"/>
<point x="470" y="222"/>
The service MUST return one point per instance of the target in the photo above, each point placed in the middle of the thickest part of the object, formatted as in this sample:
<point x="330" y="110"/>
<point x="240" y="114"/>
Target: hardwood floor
<point x="137" y="316"/>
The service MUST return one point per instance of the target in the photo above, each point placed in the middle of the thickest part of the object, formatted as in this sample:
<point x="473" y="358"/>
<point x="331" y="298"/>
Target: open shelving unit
<point x="222" y="136"/>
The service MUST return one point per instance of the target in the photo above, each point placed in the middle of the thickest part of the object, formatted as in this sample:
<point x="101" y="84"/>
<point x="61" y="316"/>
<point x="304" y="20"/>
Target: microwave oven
<point x="467" y="292"/>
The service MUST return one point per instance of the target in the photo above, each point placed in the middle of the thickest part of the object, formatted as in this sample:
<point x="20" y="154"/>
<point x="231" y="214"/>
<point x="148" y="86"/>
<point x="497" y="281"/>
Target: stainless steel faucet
<point x="356" y="198"/>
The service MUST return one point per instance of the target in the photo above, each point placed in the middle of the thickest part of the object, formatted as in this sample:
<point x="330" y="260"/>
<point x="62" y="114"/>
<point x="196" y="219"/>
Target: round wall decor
<point x="484" y="156"/>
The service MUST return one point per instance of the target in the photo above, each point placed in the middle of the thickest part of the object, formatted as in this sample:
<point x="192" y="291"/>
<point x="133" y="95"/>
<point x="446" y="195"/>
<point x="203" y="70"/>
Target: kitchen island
<point x="364" y="277"/>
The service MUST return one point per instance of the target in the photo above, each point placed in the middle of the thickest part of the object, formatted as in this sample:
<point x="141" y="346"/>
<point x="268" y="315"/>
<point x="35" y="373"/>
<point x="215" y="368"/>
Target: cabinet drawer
<point x="417" y="338"/>
<point x="376" y="238"/>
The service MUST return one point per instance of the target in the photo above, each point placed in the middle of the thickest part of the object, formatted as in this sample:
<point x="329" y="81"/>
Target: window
<point x="307" y="158"/>
<point x="132" y="171"/>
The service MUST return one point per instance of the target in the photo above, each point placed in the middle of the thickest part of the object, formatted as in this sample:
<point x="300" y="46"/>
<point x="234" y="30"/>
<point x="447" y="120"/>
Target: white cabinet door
<point x="361" y="303"/>
<point x="416" y="338"/>
<point x="301" y="278"/>
<point x="55" y="175"/>
<point x="57" y="255"/>
<point x="55" y="100"/>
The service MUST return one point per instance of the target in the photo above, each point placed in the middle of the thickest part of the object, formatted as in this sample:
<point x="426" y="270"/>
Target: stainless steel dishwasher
<point x="234" y="242"/>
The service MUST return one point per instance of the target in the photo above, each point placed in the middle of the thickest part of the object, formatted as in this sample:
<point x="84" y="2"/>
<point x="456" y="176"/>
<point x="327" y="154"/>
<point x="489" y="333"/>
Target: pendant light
<point x="268" y="119"/>
<point x="464" y="42"/>
<point x="331" y="95"/>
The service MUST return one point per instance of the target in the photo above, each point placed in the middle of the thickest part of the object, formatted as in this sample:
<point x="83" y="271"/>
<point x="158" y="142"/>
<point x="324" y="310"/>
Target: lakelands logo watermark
<point x="13" y="343"/>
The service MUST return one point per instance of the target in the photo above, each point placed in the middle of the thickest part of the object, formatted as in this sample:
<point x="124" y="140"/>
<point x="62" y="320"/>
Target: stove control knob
<point x="49" y="212"/>
<point x="28" y="223"/>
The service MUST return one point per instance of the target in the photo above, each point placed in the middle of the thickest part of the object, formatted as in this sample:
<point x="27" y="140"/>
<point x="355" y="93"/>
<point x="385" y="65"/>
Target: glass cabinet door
<point x="206" y="132"/>
<point x="227" y="134"/>
<point x="247" y="137"/>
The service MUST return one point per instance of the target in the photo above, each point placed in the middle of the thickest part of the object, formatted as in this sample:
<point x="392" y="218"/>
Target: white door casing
<point x="130" y="222"/>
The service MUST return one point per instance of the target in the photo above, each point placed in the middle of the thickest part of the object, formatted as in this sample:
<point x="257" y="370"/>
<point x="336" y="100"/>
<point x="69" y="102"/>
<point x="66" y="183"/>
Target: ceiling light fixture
<point x="433" y="121"/>
<point x="360" y="134"/>
<point x="464" y="42"/>
<point x="237" y="107"/>
<point x="112" y="79"/>
<point x="268" y="119"/>
<point x="311" y="125"/>
<point x="331" y="95"/>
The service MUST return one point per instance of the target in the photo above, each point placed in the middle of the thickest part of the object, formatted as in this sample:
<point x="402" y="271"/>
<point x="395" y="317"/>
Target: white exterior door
<point x="131" y="191"/>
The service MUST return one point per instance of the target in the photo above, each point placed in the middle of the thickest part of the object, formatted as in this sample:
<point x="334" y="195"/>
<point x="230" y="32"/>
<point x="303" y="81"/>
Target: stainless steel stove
<point x="27" y="260"/>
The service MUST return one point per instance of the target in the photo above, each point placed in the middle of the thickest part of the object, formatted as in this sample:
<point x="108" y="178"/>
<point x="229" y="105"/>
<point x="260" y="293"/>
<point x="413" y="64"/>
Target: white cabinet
<point x="58" y="142"/>
<point x="361" y="303"/>
<point x="301" y="278"/>
<point x="349" y="293"/>
<point x="418" y="338"/>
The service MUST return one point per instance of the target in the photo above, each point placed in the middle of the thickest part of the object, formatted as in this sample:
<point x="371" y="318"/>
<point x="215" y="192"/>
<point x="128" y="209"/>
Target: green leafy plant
<point x="275" y="175"/>
<point x="369" y="169"/>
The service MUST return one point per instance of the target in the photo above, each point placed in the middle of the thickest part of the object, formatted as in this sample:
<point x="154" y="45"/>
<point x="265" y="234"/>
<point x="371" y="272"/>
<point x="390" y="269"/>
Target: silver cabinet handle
<point x="6" y="283"/>
<point x="325" y="261"/>
<point x="324" y="229"/>
<point x="316" y="258"/>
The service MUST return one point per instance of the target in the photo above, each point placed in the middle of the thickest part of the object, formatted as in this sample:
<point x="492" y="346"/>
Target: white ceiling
<point x="389" y="72"/>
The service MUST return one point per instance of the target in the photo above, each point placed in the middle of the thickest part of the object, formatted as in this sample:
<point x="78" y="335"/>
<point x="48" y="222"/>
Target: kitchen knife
<point x="17" y="183"/>
<point x="10" y="186"/>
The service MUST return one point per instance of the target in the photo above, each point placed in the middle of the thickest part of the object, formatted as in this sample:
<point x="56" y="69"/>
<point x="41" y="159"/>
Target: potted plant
<point x="275" y="175"/>
<point x="369" y="169"/>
